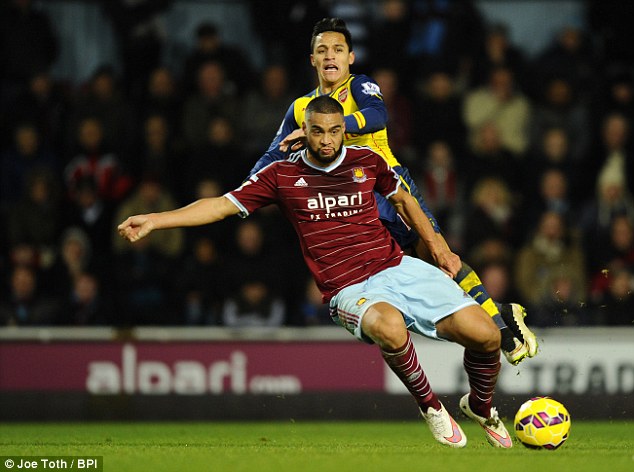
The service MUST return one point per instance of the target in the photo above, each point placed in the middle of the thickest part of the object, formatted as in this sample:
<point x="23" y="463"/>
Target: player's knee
<point x="490" y="339"/>
<point x="385" y="326"/>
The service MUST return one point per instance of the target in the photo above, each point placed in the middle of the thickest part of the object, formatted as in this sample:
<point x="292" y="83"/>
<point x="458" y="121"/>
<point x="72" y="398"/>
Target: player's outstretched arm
<point x="409" y="209"/>
<point x="200" y="212"/>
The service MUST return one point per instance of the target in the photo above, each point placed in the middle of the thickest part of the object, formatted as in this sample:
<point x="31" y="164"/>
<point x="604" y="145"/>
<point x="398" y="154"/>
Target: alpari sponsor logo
<point x="183" y="377"/>
<point x="322" y="202"/>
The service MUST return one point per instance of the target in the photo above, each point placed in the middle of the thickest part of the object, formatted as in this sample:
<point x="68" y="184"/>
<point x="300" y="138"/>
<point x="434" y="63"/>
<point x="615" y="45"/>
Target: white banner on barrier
<point x="577" y="361"/>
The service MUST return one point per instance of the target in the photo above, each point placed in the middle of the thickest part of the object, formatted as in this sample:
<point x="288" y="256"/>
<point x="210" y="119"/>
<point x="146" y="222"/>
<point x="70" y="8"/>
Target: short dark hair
<point x="324" y="104"/>
<point x="336" y="25"/>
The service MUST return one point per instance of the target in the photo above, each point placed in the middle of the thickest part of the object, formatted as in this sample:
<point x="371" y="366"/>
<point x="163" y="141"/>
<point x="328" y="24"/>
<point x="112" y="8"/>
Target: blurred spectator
<point x="497" y="278"/>
<point x="488" y="156"/>
<point x="265" y="106"/>
<point x="36" y="219"/>
<point x="438" y="115"/>
<point x="285" y="27"/>
<point x="541" y="263"/>
<point x="551" y="194"/>
<point x="444" y="33"/>
<point x="202" y="287"/>
<point x="499" y="102"/>
<point x="211" y="100"/>
<point x="142" y="282"/>
<point x="143" y="273"/>
<point x="491" y="214"/>
<point x="563" y="303"/>
<point x="615" y="305"/>
<point x="559" y="106"/>
<point x="140" y="35"/>
<point x="102" y="100"/>
<point x="24" y="304"/>
<point x="45" y="105"/>
<point x="497" y="51"/>
<point x="221" y="233"/>
<point x="389" y="35"/>
<point x="28" y="45"/>
<point x="552" y="152"/>
<point x="400" y="115"/>
<point x="570" y="57"/>
<point x="617" y="255"/>
<point x="491" y="251"/>
<point x="620" y="252"/>
<point x="89" y="212"/>
<point x="613" y="154"/>
<point x="25" y="156"/>
<point x="209" y="47"/>
<point x="253" y="305"/>
<point x="620" y="94"/>
<point x="253" y="254"/>
<point x="220" y="156"/>
<point x="612" y="199"/>
<point x="86" y="304"/>
<point x="314" y="311"/>
<point x="149" y="197"/>
<point x="161" y="97"/>
<point x="443" y="189"/>
<point x="157" y="155"/>
<point x="94" y="161"/>
<point x="73" y="258"/>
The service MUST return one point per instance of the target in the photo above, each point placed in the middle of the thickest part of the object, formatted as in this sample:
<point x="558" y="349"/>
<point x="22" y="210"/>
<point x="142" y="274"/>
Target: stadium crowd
<point x="526" y="161"/>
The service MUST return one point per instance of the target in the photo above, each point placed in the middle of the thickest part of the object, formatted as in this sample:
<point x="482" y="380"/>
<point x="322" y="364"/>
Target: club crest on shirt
<point x="358" y="175"/>
<point x="343" y="95"/>
<point x="361" y="301"/>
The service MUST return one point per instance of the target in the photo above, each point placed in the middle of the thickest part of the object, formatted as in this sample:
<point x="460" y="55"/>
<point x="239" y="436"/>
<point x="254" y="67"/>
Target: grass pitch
<point x="312" y="446"/>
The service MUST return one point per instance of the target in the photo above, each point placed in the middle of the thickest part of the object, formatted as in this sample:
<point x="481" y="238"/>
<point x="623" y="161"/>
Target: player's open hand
<point x="295" y="140"/>
<point x="136" y="227"/>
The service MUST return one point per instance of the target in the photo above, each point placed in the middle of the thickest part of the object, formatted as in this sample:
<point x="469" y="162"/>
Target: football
<point x="542" y="423"/>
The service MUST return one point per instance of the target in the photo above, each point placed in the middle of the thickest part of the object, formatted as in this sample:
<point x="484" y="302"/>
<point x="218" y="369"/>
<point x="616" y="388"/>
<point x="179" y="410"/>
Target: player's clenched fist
<point x="136" y="227"/>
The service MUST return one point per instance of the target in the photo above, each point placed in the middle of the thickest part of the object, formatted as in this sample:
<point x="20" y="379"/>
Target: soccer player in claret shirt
<point x="366" y="118"/>
<point x="327" y="191"/>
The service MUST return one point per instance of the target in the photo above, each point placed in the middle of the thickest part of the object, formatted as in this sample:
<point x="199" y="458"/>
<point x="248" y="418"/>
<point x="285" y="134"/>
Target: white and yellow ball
<point x="542" y="422"/>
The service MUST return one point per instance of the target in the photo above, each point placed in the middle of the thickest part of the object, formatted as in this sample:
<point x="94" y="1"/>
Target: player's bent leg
<point x="472" y="328"/>
<point x="515" y="350"/>
<point x="384" y="324"/>
<point x="475" y="330"/>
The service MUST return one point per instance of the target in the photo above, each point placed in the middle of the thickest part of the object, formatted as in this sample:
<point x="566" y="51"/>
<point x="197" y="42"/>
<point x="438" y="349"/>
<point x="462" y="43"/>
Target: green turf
<point x="304" y="447"/>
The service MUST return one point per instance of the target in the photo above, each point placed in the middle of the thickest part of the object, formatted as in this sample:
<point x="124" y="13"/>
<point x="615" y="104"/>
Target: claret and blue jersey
<point x="333" y="211"/>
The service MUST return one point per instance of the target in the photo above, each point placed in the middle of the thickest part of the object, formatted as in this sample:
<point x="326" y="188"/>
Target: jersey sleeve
<point x="258" y="191"/>
<point x="372" y="113"/>
<point x="387" y="180"/>
<point x="273" y="153"/>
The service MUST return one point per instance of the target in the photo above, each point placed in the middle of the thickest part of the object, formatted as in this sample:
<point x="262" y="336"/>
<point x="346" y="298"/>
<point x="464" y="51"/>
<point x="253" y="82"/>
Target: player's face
<point x="324" y="136"/>
<point x="331" y="58"/>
